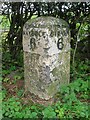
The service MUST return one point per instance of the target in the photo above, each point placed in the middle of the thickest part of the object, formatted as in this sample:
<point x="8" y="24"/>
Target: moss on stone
<point x="53" y="88"/>
<point x="56" y="71"/>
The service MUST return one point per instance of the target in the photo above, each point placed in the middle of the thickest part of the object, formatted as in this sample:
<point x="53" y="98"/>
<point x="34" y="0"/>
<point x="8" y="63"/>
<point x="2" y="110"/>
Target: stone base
<point x="36" y="99"/>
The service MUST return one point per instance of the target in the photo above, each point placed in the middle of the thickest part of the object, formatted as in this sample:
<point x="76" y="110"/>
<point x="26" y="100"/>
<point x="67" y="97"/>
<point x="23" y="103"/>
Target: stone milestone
<point x="46" y="45"/>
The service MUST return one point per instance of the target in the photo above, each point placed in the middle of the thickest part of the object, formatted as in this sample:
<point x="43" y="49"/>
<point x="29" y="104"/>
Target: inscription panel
<point x="43" y="40"/>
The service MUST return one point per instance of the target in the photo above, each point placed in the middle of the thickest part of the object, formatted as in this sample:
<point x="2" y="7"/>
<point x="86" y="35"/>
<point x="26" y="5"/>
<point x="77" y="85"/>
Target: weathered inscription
<point x="38" y="33"/>
<point x="32" y="43"/>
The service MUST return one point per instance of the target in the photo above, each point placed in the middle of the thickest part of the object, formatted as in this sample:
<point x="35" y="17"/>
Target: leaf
<point x="49" y="112"/>
<point x="77" y="25"/>
<point x="34" y="114"/>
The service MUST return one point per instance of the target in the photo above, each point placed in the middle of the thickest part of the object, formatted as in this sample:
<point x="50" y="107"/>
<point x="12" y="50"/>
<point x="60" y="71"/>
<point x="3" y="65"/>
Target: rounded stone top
<point x="47" y="21"/>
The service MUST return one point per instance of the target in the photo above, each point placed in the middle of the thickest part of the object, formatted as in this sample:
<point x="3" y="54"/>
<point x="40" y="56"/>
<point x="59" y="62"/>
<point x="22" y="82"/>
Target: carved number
<point x="60" y="43"/>
<point x="32" y="43"/>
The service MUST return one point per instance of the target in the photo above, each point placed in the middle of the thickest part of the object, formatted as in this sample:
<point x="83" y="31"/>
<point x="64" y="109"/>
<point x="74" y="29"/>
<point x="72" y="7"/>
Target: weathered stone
<point x="46" y="45"/>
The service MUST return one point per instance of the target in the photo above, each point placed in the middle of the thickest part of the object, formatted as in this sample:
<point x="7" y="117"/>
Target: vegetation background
<point x="74" y="101"/>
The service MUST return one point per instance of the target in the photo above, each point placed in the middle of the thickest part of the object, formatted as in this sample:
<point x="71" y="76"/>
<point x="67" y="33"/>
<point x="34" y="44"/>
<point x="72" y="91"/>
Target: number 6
<point x="60" y="44"/>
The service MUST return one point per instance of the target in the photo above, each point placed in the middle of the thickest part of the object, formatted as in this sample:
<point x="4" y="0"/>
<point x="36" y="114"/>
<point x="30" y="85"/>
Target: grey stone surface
<point x="46" y="45"/>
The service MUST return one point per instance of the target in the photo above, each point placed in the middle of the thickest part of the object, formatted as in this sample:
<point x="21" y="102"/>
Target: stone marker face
<point x="46" y="45"/>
